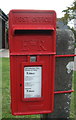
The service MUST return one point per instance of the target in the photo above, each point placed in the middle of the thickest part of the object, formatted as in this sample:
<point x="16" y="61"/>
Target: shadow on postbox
<point x="32" y="42"/>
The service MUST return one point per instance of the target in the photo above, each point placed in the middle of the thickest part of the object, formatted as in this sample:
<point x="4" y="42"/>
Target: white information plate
<point x="32" y="82"/>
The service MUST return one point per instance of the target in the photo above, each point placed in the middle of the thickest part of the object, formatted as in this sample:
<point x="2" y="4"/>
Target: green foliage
<point x="69" y="13"/>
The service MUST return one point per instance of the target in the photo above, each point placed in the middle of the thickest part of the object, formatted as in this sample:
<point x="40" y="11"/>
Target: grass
<point x="73" y="98"/>
<point x="6" y="113"/>
<point x="75" y="94"/>
<point x="0" y="88"/>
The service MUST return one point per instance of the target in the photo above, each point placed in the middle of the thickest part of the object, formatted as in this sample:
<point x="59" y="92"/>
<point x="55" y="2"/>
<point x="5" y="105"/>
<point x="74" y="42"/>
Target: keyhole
<point x="20" y="85"/>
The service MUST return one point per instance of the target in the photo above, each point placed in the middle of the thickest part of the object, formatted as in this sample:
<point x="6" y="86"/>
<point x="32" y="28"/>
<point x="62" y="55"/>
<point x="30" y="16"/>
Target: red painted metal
<point x="32" y="32"/>
<point x="60" y="92"/>
<point x="69" y="91"/>
<point x="70" y="55"/>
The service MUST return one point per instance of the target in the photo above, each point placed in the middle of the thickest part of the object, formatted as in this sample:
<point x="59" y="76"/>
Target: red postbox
<point x="32" y="42"/>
